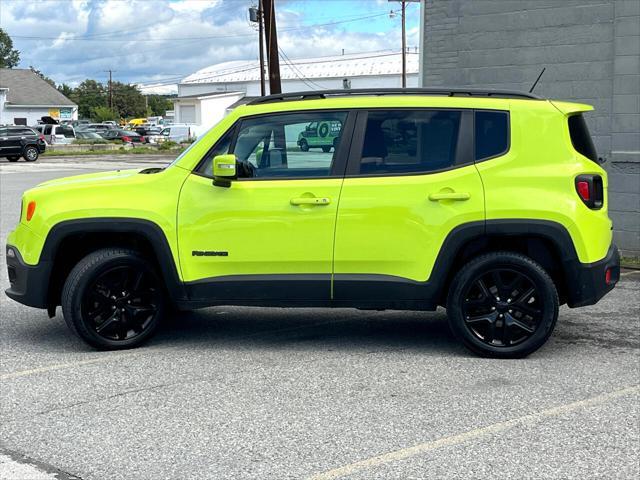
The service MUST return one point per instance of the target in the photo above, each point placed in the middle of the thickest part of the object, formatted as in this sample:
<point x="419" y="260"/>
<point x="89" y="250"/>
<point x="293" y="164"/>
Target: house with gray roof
<point x="25" y="98"/>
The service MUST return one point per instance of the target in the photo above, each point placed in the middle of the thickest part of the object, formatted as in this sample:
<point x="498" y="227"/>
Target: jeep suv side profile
<point x="489" y="203"/>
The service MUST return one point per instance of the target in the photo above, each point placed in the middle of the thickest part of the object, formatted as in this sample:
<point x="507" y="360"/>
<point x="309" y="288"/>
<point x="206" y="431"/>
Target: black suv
<point x="16" y="142"/>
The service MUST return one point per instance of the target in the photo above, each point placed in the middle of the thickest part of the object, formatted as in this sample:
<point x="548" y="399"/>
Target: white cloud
<point x="157" y="41"/>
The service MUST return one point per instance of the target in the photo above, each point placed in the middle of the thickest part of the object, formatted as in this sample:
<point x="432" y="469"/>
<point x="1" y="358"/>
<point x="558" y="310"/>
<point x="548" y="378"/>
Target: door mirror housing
<point x="224" y="170"/>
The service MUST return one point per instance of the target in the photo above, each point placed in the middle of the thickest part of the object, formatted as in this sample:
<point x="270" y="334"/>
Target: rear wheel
<point x="326" y="149"/>
<point x="502" y="305"/>
<point x="31" y="153"/>
<point x="13" y="158"/>
<point x="113" y="299"/>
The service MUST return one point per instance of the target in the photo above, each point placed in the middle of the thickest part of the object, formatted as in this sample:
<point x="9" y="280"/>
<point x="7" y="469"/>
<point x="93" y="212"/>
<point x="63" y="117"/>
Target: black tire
<point x="491" y="325"/>
<point x="13" y="158"/>
<point x="113" y="299"/>
<point x="31" y="153"/>
<point x="326" y="149"/>
<point x="304" y="146"/>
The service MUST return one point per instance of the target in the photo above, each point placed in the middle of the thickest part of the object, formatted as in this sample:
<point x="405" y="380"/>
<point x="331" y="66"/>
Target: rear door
<point x="410" y="181"/>
<point x="13" y="141"/>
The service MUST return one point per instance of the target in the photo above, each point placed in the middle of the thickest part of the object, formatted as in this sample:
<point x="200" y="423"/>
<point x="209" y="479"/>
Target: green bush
<point x="89" y="141"/>
<point x="168" y="145"/>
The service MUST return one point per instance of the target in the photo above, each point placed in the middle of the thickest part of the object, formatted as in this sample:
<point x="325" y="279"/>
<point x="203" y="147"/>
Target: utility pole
<point x="404" y="45"/>
<point x="404" y="39"/>
<point x="110" y="88"/>
<point x="271" y="33"/>
<point x="255" y="16"/>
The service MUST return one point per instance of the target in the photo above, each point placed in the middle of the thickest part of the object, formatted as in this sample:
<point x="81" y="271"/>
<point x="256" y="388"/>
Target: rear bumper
<point x="586" y="282"/>
<point x="28" y="283"/>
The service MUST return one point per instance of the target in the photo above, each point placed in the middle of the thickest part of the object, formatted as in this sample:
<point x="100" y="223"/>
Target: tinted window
<point x="47" y="130"/>
<point x="491" y="134"/>
<point x="289" y="145"/>
<point x="64" y="130"/>
<point x="580" y="137"/>
<point x="409" y="141"/>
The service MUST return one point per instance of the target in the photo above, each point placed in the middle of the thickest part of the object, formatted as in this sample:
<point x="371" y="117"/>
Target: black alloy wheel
<point x="502" y="307"/>
<point x="502" y="304"/>
<point x="113" y="299"/>
<point x="121" y="303"/>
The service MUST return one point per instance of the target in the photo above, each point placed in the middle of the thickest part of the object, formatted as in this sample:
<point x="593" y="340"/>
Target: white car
<point x="175" y="133"/>
<point x="56" y="134"/>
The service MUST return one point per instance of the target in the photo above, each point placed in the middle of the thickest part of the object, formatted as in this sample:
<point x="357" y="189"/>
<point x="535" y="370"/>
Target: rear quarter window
<point x="581" y="138"/>
<point x="491" y="134"/>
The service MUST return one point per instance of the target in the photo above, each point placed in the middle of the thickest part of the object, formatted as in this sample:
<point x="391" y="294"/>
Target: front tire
<point x="113" y="299"/>
<point x="13" y="158"/>
<point x="31" y="154"/>
<point x="502" y="305"/>
<point x="304" y="146"/>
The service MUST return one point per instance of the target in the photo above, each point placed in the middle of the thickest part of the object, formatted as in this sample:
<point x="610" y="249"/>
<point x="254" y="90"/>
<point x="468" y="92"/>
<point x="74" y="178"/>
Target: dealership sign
<point x="61" y="113"/>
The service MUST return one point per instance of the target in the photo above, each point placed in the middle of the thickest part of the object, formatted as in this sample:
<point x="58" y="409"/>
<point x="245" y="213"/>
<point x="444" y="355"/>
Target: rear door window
<point x="409" y="141"/>
<point x="491" y="134"/>
<point x="581" y="138"/>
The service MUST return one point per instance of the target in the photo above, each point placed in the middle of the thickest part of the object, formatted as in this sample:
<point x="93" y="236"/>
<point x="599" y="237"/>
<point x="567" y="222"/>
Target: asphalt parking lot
<point x="250" y="393"/>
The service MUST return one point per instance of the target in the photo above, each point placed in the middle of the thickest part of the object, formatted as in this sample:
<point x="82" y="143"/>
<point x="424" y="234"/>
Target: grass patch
<point x="120" y="151"/>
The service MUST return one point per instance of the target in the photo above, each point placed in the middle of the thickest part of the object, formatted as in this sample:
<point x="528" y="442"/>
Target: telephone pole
<point x="255" y="16"/>
<point x="271" y="33"/>
<point x="110" y="88"/>
<point x="404" y="38"/>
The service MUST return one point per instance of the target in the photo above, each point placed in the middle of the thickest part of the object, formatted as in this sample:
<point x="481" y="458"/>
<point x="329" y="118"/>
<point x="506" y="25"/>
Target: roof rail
<point x="448" y="92"/>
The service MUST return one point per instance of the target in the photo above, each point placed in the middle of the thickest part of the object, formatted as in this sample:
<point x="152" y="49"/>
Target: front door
<point x="410" y="181"/>
<point x="269" y="236"/>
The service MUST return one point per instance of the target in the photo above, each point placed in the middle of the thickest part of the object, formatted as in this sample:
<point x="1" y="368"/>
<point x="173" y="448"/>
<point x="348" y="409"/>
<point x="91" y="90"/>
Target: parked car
<point x="88" y="135"/>
<point x="98" y="127"/>
<point x="320" y="134"/>
<point x="56" y="134"/>
<point x="125" y="136"/>
<point x="490" y="203"/>
<point x="110" y="122"/>
<point x="179" y="133"/>
<point x="25" y="142"/>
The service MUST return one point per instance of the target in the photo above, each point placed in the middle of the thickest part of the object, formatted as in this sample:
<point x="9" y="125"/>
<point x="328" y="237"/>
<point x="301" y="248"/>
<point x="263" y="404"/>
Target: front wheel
<point x="502" y="305"/>
<point x="13" y="158"/>
<point x="326" y="149"/>
<point x="31" y="154"/>
<point x="113" y="299"/>
<point x="304" y="146"/>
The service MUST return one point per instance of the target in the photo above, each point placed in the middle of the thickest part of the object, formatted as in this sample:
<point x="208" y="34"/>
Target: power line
<point x="208" y="37"/>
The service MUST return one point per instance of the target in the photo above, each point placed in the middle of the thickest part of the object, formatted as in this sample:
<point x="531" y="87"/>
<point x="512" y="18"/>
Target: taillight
<point x="126" y="139"/>
<point x="31" y="209"/>
<point x="607" y="276"/>
<point x="590" y="190"/>
<point x="41" y="137"/>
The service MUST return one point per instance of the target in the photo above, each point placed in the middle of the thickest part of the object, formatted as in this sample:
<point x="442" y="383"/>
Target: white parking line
<point x="527" y="420"/>
<point x="629" y="273"/>
<point x="104" y="358"/>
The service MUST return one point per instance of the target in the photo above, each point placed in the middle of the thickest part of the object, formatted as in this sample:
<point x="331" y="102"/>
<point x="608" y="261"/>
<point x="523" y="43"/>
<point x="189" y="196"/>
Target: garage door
<point x="188" y="114"/>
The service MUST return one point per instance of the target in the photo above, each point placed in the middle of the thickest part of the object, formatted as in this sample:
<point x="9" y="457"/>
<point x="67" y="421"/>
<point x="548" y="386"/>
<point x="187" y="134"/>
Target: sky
<point x="161" y="41"/>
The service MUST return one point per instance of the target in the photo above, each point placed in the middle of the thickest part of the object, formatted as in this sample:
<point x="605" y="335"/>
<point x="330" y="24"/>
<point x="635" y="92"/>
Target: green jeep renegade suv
<point x="491" y="204"/>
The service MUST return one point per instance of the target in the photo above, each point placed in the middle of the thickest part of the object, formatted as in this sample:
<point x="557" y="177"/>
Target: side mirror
<point x="224" y="169"/>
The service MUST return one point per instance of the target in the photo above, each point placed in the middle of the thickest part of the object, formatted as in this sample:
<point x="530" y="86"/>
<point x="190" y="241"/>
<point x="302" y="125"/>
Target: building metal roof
<point x="337" y="66"/>
<point x="27" y="88"/>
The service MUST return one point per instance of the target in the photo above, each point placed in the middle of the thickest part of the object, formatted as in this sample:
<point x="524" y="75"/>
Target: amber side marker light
<point x="31" y="209"/>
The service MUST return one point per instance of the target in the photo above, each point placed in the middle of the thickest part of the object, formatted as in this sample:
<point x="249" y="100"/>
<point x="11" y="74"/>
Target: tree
<point x="159" y="104"/>
<point x="65" y="90"/>
<point x="43" y="76"/>
<point x="9" y="57"/>
<point x="89" y="95"/>
<point x="128" y="101"/>
<point x="102" y="114"/>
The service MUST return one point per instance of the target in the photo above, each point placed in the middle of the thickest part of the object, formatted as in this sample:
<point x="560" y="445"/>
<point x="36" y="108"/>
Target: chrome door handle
<point x="310" y="201"/>
<point x="434" y="197"/>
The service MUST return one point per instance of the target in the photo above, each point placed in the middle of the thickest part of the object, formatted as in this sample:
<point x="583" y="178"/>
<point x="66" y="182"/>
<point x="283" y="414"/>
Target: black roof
<point x="448" y="92"/>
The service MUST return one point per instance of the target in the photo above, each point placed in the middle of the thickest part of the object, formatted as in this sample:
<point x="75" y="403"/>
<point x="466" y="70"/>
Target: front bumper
<point x="28" y="283"/>
<point x="586" y="282"/>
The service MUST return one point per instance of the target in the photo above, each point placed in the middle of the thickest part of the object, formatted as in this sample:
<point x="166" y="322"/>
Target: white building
<point x="206" y="96"/>
<point x="25" y="98"/>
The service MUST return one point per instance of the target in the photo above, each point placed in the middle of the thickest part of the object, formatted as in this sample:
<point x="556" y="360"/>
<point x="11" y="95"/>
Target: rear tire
<point x="113" y="299"/>
<point x="502" y="305"/>
<point x="326" y="149"/>
<point x="31" y="154"/>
